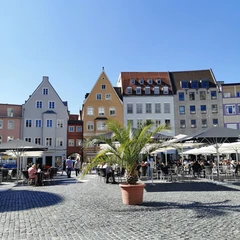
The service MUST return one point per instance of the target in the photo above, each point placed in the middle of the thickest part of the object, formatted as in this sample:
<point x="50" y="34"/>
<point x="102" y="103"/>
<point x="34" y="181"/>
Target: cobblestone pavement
<point x="91" y="209"/>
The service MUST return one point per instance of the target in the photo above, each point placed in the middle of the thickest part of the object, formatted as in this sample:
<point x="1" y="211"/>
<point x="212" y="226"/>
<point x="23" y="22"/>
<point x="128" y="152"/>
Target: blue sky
<point x="70" y="41"/>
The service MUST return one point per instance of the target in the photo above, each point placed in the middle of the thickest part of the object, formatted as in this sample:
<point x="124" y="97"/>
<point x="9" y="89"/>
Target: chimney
<point x="45" y="78"/>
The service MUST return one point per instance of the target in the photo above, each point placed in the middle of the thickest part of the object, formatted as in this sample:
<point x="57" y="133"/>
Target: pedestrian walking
<point x="77" y="166"/>
<point x="69" y="166"/>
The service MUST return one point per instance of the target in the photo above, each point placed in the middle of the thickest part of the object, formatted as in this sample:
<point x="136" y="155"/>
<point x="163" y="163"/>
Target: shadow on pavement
<point x="18" y="200"/>
<point x="186" y="187"/>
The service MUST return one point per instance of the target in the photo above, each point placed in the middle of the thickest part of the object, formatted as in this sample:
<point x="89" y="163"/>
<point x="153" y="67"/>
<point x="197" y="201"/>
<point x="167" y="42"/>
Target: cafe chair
<point x="26" y="177"/>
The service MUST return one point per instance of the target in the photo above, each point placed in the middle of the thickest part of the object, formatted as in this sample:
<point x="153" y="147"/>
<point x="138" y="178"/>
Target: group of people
<point x="69" y="164"/>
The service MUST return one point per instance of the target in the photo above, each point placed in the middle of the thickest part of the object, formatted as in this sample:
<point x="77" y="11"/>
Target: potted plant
<point x="124" y="147"/>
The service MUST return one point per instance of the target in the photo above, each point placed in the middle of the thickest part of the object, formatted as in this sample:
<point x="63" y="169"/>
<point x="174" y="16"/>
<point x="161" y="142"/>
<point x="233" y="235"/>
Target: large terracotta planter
<point x="132" y="194"/>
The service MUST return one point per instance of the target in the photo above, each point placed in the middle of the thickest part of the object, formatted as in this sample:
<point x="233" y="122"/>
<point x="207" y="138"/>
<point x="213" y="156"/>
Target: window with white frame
<point x="71" y="128"/>
<point x="37" y="141"/>
<point x="130" y="121"/>
<point x="11" y="124"/>
<point x="101" y="111"/>
<point x="165" y="90"/>
<point x="138" y="90"/>
<point x="71" y="142"/>
<point x="204" y="123"/>
<point x="150" y="81"/>
<point x="193" y="123"/>
<point x="157" y="107"/>
<point x="49" y="123"/>
<point x="238" y="111"/>
<point x="230" y="109"/>
<point x="181" y="110"/>
<point x="60" y="123"/>
<point x="213" y="94"/>
<point x="215" y="122"/>
<point x="28" y="139"/>
<point x="39" y="104"/>
<point x="90" y="111"/>
<point x="99" y="96"/>
<point x="147" y="90"/>
<point x="1" y="124"/>
<point x="112" y="111"/>
<point x="139" y="123"/>
<point x="10" y="112"/>
<point x="51" y="105"/>
<point x="90" y="126"/>
<point x="38" y="123"/>
<point x="141" y="81"/>
<point x="129" y="90"/>
<point x="45" y="91"/>
<point x="108" y="96"/>
<point x="59" y="142"/>
<point x="10" y="138"/>
<point x="157" y="122"/>
<point x="129" y="108"/>
<point x="139" y="108"/>
<point x="48" y="141"/>
<point x="214" y="108"/>
<point x="28" y="123"/>
<point x="166" y="107"/>
<point x="79" y="142"/>
<point x="191" y="96"/>
<point x="182" y="123"/>
<point x="149" y="121"/>
<point x="103" y="87"/>
<point x="202" y="95"/>
<point x="167" y="122"/>
<point x="156" y="90"/>
<point x="78" y="128"/>
<point x="192" y="109"/>
<point x="148" y="108"/>
<point x="132" y="81"/>
<point x="101" y="125"/>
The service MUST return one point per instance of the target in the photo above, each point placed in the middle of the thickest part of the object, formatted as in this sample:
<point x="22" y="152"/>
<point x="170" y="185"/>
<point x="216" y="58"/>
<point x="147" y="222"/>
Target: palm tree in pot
<point x="124" y="147"/>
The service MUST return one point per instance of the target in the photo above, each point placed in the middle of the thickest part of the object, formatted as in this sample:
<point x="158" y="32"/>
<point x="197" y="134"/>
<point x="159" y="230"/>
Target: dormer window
<point x="156" y="90"/>
<point x="158" y="81"/>
<point x="129" y="90"/>
<point x="149" y="81"/>
<point x="184" y="84"/>
<point x="204" y="83"/>
<point x="138" y="90"/>
<point x="147" y="90"/>
<point x="194" y="84"/>
<point x="132" y="81"/>
<point x="165" y="90"/>
<point x="141" y="81"/>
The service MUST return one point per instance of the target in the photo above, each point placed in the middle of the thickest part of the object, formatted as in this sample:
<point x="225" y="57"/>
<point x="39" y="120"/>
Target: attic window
<point x="194" y="84"/>
<point x="204" y="83"/>
<point x="141" y="81"/>
<point x="132" y="81"/>
<point x="165" y="90"/>
<point x="156" y="90"/>
<point x="138" y="90"/>
<point x="149" y="81"/>
<point x="184" y="84"/>
<point x="129" y="90"/>
<point x="158" y="81"/>
<point x="147" y="90"/>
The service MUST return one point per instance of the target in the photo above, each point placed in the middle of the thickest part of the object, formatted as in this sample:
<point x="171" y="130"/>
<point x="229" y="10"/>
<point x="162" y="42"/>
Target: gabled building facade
<point x="45" y="122"/>
<point x="10" y="122"/>
<point x="100" y="105"/>
<point x="147" y="96"/>
<point x="231" y="105"/>
<point x="197" y="101"/>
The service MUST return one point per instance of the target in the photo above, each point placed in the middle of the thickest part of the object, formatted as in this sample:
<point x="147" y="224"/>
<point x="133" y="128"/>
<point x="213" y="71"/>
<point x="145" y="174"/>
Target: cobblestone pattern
<point x="94" y="210"/>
